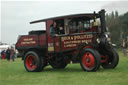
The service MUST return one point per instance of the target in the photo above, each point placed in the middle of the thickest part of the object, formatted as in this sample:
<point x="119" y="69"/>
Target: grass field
<point x="14" y="73"/>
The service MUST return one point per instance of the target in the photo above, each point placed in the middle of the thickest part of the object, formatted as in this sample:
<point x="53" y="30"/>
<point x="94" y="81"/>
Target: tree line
<point x="117" y="25"/>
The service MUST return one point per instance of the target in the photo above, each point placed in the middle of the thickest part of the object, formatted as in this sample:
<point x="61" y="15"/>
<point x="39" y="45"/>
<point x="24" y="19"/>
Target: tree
<point x="112" y="15"/>
<point x="116" y="14"/>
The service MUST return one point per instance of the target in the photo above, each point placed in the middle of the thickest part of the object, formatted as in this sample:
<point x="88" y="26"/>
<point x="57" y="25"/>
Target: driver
<point x="53" y="29"/>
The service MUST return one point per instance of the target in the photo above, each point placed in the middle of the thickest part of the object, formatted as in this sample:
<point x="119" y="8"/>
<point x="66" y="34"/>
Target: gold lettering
<point x="32" y="42"/>
<point x="28" y="39"/>
<point x="72" y="41"/>
<point x="70" y="45"/>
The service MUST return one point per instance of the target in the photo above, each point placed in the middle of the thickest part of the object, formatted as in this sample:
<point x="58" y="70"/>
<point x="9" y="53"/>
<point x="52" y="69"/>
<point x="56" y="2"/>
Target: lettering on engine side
<point x="28" y="41"/>
<point x="72" y="41"/>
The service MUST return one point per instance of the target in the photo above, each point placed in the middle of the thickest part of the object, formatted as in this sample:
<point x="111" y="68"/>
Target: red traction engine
<point x="84" y="40"/>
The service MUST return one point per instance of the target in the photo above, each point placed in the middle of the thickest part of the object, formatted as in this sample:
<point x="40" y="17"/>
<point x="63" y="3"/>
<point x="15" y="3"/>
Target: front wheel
<point x="90" y="60"/>
<point x="112" y="60"/>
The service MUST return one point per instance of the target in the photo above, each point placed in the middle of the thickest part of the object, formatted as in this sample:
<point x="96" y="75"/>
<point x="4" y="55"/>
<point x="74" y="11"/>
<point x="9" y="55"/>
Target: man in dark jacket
<point x="8" y="53"/>
<point x="53" y="30"/>
<point x="12" y="54"/>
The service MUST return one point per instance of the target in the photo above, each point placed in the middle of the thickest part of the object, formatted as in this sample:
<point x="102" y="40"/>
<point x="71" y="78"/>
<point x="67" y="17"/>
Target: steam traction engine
<point x="85" y="41"/>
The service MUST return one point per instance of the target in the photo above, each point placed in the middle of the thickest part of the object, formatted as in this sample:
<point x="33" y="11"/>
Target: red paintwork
<point x="49" y="38"/>
<point x="43" y="39"/>
<point x="57" y="44"/>
<point x="31" y="40"/>
<point x="30" y="62"/>
<point x="88" y="60"/>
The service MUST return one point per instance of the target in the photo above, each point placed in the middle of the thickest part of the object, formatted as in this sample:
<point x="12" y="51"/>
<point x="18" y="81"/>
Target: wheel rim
<point x="31" y="62"/>
<point x="88" y="60"/>
<point x="109" y="60"/>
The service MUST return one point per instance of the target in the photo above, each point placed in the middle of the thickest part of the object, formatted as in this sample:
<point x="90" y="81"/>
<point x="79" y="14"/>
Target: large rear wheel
<point x="112" y="60"/>
<point x="33" y="62"/>
<point x="90" y="60"/>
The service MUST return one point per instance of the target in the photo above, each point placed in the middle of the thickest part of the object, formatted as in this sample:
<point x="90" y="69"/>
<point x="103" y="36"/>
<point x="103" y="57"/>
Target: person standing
<point x="12" y="54"/>
<point x="124" y="44"/>
<point x="60" y="29"/>
<point x="3" y="54"/>
<point x="8" y="53"/>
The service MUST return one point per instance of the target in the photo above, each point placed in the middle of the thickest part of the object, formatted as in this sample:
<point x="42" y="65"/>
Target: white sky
<point x="16" y="15"/>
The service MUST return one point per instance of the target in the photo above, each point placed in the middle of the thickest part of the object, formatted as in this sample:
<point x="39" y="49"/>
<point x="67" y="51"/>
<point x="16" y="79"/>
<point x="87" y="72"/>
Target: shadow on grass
<point x="63" y="70"/>
<point x="74" y="69"/>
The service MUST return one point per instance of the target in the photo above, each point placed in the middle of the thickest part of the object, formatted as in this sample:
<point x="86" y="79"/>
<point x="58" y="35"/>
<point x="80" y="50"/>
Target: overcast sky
<point x="16" y="15"/>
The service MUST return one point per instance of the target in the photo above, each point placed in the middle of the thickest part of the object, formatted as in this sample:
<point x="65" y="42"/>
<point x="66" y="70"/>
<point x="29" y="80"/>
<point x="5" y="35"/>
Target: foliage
<point x="117" y="25"/>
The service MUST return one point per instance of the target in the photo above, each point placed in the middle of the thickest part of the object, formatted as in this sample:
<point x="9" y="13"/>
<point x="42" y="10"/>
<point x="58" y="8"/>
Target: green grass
<point x="14" y="73"/>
